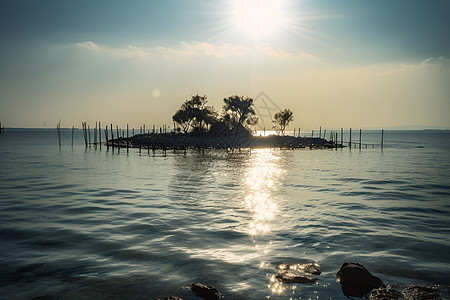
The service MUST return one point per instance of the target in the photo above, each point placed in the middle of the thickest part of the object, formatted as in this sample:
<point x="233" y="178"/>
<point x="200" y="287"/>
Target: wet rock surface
<point x="385" y="293"/>
<point x="207" y="292"/>
<point x="357" y="281"/>
<point x="171" y="298"/>
<point x="292" y="276"/>
<point x="298" y="273"/>
<point x="415" y="292"/>
<point x="308" y="268"/>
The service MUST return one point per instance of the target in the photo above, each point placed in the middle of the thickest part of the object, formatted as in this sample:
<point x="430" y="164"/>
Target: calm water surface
<point x="88" y="224"/>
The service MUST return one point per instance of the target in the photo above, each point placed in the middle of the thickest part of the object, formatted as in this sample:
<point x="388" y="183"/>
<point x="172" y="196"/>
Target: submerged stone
<point x="309" y="268"/>
<point x="293" y="276"/>
<point x="385" y="293"/>
<point x="207" y="292"/>
<point x="414" y="292"/>
<point x="357" y="281"/>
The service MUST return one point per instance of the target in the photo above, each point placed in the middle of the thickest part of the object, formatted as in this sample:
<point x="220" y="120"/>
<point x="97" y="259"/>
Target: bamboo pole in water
<point x="89" y="135"/>
<point x="112" y="137"/>
<point x="106" y="137"/>
<point x="58" y="128"/>
<point x="100" y="134"/>
<point x="336" y="140"/>
<point x="95" y="135"/>
<point x="84" y="135"/>
<point x="360" y="131"/>
<point x="382" y="137"/>
<point x="128" y="141"/>
<point x="350" y="140"/>
<point x="342" y="136"/>
<point x="73" y="128"/>
<point x="118" y="145"/>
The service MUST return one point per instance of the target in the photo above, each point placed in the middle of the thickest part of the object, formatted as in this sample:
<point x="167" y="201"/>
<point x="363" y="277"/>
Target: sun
<point x="259" y="18"/>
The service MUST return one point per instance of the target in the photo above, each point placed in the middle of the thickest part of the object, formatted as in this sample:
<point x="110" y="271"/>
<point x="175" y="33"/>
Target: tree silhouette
<point x="195" y="114"/>
<point x="282" y="119"/>
<point x="239" y="112"/>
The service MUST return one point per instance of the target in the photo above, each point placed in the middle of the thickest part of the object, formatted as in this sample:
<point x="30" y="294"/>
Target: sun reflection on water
<point x="261" y="178"/>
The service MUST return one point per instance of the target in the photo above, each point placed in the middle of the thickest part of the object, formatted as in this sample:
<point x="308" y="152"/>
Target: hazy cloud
<point x="88" y="45"/>
<point x="197" y="48"/>
<point x="431" y="62"/>
<point x="223" y="50"/>
<point x="129" y="52"/>
<point x="268" y="49"/>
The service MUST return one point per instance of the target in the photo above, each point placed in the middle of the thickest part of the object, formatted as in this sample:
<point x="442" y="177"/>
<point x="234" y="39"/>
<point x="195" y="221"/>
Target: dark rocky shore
<point x="355" y="281"/>
<point x="181" y="142"/>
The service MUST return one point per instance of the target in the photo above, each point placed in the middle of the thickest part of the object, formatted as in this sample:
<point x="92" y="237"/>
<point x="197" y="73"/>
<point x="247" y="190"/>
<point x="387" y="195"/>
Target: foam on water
<point x="84" y="223"/>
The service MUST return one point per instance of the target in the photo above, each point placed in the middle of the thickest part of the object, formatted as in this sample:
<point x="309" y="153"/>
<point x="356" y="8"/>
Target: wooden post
<point x="360" y="139"/>
<point x="89" y="135"/>
<point x="128" y="141"/>
<point x="342" y="136"/>
<point x="118" y="141"/>
<point x="58" y="129"/>
<point x="294" y="132"/>
<point x="84" y="133"/>
<point x="336" y="140"/>
<point x="264" y="131"/>
<point x="73" y="128"/>
<point x="299" y="132"/>
<point x="350" y="140"/>
<point x="112" y="137"/>
<point x="100" y="134"/>
<point x="312" y="134"/>
<point x="320" y="132"/>
<point x="95" y="135"/>
<point x="106" y="137"/>
<point x="382" y="137"/>
<point x="325" y="134"/>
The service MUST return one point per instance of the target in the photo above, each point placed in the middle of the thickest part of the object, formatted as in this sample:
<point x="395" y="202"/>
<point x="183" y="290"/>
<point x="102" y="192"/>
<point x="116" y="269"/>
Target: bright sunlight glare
<point x="259" y="18"/>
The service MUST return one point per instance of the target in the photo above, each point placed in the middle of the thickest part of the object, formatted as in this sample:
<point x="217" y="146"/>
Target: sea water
<point x="91" y="223"/>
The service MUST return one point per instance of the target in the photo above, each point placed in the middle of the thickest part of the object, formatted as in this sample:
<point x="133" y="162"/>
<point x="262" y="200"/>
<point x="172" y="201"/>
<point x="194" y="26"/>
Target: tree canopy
<point x="195" y="117"/>
<point x="195" y="114"/>
<point x="239" y="111"/>
<point x="282" y="120"/>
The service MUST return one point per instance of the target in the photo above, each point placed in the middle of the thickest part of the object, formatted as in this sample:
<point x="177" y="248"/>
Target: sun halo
<point x="259" y="18"/>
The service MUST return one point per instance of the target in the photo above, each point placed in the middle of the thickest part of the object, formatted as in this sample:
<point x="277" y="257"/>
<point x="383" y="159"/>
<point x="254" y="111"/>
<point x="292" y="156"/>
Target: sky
<point x="348" y="63"/>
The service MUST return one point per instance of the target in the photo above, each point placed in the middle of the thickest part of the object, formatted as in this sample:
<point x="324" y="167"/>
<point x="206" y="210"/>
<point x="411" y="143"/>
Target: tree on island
<point x="195" y="114"/>
<point x="239" y="112"/>
<point x="282" y="119"/>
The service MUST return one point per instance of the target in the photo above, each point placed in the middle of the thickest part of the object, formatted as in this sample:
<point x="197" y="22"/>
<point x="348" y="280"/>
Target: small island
<point x="199" y="126"/>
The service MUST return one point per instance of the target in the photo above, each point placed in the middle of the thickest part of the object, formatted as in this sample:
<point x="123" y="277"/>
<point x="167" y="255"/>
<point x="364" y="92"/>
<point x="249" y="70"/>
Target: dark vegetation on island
<point x="199" y="126"/>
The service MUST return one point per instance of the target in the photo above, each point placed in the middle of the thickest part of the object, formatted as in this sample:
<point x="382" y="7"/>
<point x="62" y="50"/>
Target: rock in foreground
<point x="357" y="281"/>
<point x="293" y="276"/>
<point x="385" y="293"/>
<point x="207" y="292"/>
<point x="309" y="268"/>
<point x="414" y="292"/>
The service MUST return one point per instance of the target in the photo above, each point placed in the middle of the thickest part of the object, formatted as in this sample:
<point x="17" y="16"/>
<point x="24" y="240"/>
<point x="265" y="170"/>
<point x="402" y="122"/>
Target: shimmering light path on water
<point x="84" y="223"/>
